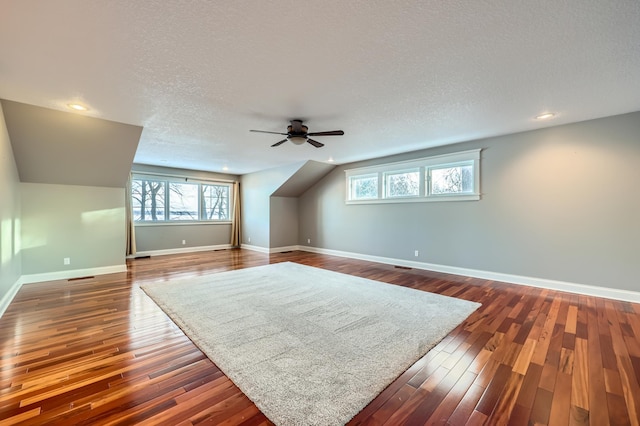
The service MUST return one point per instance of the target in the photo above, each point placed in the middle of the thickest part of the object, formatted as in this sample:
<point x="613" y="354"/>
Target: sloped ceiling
<point x="58" y="147"/>
<point x="304" y="178"/>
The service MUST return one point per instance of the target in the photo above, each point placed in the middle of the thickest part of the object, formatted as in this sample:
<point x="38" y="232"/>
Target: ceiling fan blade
<point x="264" y="131"/>
<point x="279" y="143"/>
<point x="315" y="143"/>
<point x="330" y="133"/>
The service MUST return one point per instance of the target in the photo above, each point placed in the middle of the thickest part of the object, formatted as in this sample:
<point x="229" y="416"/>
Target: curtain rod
<point x="186" y="178"/>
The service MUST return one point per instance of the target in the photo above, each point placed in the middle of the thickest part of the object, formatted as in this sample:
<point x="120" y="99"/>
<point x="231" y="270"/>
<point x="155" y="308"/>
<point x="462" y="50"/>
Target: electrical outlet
<point x="308" y="240"/>
<point x="416" y="253"/>
<point x="184" y="242"/>
<point x="249" y="239"/>
<point x="66" y="261"/>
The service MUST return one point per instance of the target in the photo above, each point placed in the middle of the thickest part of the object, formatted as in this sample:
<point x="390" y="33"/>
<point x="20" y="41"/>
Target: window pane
<point x="215" y="202"/>
<point x="148" y="200"/>
<point x="452" y="180"/>
<point x="183" y="201"/>
<point x="363" y="187"/>
<point x="402" y="184"/>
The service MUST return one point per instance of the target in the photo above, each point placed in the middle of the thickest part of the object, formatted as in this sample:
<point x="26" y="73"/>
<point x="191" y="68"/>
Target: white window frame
<point x="423" y="165"/>
<point x="363" y="176"/>
<point x="167" y="179"/>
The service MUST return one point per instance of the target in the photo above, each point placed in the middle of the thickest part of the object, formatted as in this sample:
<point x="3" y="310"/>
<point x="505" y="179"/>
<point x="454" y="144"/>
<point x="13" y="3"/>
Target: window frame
<point x="167" y="180"/>
<point x="364" y="176"/>
<point x="424" y="166"/>
<point x="385" y="183"/>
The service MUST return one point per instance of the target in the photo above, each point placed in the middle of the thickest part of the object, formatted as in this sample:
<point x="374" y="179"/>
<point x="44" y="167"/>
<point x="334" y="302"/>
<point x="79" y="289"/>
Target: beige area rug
<point x="308" y="346"/>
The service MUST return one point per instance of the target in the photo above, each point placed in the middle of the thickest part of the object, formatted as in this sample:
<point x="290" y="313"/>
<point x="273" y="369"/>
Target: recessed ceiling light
<point x="545" y="116"/>
<point x="225" y="168"/>
<point x="330" y="159"/>
<point x="78" y="107"/>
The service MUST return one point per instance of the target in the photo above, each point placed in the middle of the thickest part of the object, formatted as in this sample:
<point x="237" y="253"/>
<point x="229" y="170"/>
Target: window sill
<point x="433" y="199"/>
<point x="167" y="223"/>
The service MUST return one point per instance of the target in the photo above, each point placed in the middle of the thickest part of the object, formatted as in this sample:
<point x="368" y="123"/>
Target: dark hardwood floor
<point x="99" y="351"/>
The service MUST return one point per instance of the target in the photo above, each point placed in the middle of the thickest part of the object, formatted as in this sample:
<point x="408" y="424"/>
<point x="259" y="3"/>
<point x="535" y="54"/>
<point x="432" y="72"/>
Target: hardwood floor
<point x="99" y="351"/>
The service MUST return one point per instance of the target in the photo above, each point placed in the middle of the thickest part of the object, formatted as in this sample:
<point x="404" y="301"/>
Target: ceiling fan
<point x="298" y="134"/>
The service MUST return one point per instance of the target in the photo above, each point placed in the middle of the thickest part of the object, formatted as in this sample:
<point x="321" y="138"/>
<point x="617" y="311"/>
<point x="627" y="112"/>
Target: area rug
<point x="308" y="346"/>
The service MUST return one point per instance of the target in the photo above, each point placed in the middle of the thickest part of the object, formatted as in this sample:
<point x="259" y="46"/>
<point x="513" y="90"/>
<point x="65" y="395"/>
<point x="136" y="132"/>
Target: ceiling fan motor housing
<point x="297" y="132"/>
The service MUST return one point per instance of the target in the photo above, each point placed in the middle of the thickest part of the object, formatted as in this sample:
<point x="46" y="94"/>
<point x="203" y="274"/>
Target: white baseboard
<point x="9" y="295"/>
<point x="180" y="250"/>
<point x="270" y="250"/>
<point x="74" y="273"/>
<point x="284" y="248"/>
<point x="589" y="290"/>
<point x="255" y="248"/>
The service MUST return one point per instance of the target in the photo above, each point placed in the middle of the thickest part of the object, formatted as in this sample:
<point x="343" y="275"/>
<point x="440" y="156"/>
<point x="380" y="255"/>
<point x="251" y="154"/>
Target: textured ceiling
<point x="394" y="75"/>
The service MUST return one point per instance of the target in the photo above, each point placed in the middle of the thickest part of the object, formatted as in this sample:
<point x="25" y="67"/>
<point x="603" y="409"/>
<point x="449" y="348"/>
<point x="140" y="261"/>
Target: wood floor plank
<point x="99" y="351"/>
<point x="597" y="390"/>
<point x="580" y="376"/>
<point x="466" y="406"/>
<point x="561" y="404"/>
<point x="507" y="400"/>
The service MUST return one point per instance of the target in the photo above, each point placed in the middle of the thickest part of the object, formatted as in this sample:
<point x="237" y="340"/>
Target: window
<point x="160" y="199"/>
<point x="363" y="187"/>
<point x="450" y="177"/>
<point x="147" y="199"/>
<point x="183" y="201"/>
<point x="215" y="202"/>
<point x="402" y="184"/>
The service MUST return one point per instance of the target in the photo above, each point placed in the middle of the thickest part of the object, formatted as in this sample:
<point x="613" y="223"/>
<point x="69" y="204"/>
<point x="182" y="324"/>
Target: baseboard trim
<point x="180" y="250"/>
<point x="75" y="273"/>
<point x="9" y="295"/>
<point x="585" y="289"/>
<point x="255" y="248"/>
<point x="284" y="248"/>
<point x="270" y="250"/>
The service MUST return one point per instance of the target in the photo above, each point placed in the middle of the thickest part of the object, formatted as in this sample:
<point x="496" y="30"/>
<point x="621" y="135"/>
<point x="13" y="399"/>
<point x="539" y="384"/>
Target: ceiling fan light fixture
<point x="297" y="140"/>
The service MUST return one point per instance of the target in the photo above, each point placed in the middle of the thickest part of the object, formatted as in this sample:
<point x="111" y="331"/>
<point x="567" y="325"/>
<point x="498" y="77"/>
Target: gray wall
<point x="84" y="223"/>
<point x="169" y="237"/>
<point x="257" y="189"/>
<point x="561" y="203"/>
<point x="284" y="222"/>
<point x="10" y="256"/>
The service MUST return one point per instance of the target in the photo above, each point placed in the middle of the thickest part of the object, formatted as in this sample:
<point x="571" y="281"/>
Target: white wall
<point x="10" y="256"/>
<point x="83" y="223"/>
<point x="561" y="203"/>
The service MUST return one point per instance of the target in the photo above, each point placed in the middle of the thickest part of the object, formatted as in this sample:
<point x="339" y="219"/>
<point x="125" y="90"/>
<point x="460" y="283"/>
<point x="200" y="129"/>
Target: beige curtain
<point x="130" y="228"/>
<point x="235" y="222"/>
